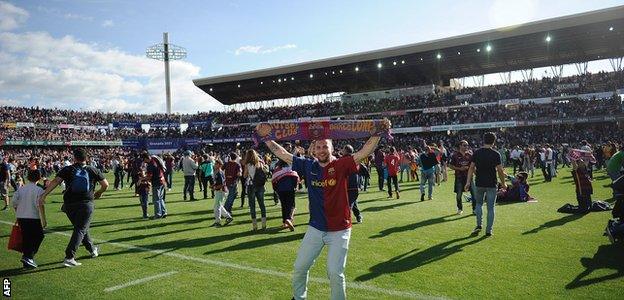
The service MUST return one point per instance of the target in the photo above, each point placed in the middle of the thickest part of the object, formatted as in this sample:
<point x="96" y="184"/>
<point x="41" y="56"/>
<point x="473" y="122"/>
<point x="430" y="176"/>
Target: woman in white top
<point x="31" y="218"/>
<point x="253" y="165"/>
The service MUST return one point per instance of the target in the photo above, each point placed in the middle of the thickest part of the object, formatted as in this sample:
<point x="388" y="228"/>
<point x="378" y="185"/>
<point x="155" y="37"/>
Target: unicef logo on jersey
<point x="323" y="183"/>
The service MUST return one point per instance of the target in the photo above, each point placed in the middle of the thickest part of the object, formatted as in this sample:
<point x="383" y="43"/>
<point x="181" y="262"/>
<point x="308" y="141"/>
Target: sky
<point x="90" y="54"/>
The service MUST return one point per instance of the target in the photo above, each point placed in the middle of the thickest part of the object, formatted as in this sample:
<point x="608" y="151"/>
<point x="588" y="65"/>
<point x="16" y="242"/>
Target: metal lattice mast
<point x="166" y="52"/>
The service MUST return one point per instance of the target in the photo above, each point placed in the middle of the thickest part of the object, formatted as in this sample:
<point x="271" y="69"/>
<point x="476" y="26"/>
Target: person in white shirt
<point x="515" y="158"/>
<point x="548" y="163"/>
<point x="31" y="218"/>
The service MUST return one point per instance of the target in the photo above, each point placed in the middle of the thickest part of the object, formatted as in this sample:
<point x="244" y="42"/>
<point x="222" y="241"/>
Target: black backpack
<point x="260" y="178"/>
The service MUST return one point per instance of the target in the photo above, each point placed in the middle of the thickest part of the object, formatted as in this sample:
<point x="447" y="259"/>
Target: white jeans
<point x="219" y="210"/>
<point x="313" y="242"/>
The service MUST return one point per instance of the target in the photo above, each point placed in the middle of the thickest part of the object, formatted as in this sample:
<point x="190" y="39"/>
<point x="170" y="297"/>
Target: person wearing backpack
<point x="80" y="180"/>
<point x="255" y="178"/>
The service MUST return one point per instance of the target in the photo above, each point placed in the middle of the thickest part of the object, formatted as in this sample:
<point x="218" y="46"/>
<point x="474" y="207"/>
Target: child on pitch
<point x="144" y="186"/>
<point x="220" y="190"/>
<point x="31" y="217"/>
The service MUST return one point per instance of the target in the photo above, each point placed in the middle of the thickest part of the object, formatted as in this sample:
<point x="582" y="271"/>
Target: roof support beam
<point x="527" y="74"/>
<point x="478" y="80"/>
<point x="581" y="68"/>
<point x="616" y="63"/>
<point x="556" y="70"/>
<point x="505" y="77"/>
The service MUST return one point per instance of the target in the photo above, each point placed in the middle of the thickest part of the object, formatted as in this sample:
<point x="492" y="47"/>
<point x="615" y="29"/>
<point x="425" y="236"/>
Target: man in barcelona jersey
<point x="330" y="214"/>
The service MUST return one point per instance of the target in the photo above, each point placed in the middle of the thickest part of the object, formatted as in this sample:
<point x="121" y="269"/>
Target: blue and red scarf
<point x="334" y="129"/>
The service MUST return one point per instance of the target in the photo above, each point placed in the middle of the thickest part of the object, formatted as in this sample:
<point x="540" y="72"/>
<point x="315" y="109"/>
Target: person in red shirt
<point x="330" y="214"/>
<point x="392" y="161"/>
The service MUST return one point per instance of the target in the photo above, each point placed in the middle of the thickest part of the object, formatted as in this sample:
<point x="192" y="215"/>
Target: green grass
<point x="417" y="249"/>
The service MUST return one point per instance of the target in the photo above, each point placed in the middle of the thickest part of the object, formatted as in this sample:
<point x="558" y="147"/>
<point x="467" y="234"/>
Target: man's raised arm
<point x="371" y="144"/>
<point x="280" y="152"/>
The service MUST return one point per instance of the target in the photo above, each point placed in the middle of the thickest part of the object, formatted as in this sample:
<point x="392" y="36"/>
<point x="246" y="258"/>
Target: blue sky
<point x="90" y="54"/>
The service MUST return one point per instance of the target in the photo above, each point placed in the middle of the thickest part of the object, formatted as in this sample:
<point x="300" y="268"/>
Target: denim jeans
<point x="380" y="178"/>
<point x="158" y="199"/>
<point x="169" y="177"/>
<point x="429" y="177"/>
<point x="313" y="242"/>
<point x="256" y="193"/>
<point x="490" y="198"/>
<point x="231" y="196"/>
<point x="460" y="183"/>
<point x="79" y="214"/>
<point x="143" y="199"/>
<point x="189" y="186"/>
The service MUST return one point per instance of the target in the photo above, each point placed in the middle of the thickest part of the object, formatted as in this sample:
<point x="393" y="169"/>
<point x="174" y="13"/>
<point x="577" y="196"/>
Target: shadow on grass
<point x="157" y="234"/>
<point x="389" y="231"/>
<point x="391" y="206"/>
<point x="555" y="223"/>
<point x="413" y="259"/>
<point x="99" y="224"/>
<point x="608" y="257"/>
<point x="22" y="271"/>
<point x="259" y="243"/>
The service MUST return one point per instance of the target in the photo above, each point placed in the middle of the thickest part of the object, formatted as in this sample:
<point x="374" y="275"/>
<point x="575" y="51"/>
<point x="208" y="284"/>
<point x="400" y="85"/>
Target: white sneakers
<point x="95" y="252"/>
<point x="71" y="263"/>
<point x="460" y="212"/>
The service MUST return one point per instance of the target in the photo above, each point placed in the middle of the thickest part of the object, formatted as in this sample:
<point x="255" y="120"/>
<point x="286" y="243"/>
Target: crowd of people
<point x="332" y="173"/>
<point x="239" y="123"/>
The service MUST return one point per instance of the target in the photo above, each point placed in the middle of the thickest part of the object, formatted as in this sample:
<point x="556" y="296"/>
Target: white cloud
<point x="108" y="23"/>
<point x="11" y="16"/>
<point x="69" y="73"/>
<point x="8" y="102"/>
<point x="507" y="13"/>
<point x="261" y="49"/>
<point x="77" y="17"/>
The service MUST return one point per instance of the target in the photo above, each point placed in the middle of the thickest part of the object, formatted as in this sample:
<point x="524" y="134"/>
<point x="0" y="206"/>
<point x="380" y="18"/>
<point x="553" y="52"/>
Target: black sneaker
<point x="422" y="197"/>
<point x="608" y="232"/>
<point x="28" y="263"/>
<point x="358" y="219"/>
<point x="476" y="230"/>
<point x="488" y="234"/>
<point x="228" y="221"/>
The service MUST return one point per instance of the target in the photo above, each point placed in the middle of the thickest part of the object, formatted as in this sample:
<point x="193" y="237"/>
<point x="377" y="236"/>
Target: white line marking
<point x="354" y="285"/>
<point x="138" y="281"/>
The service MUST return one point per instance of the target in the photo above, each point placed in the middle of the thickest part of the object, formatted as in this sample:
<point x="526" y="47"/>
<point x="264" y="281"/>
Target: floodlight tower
<point x="166" y="52"/>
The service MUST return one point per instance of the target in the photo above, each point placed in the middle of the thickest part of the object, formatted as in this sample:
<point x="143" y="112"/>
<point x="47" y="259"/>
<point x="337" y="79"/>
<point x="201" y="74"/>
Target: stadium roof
<point x="575" y="38"/>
